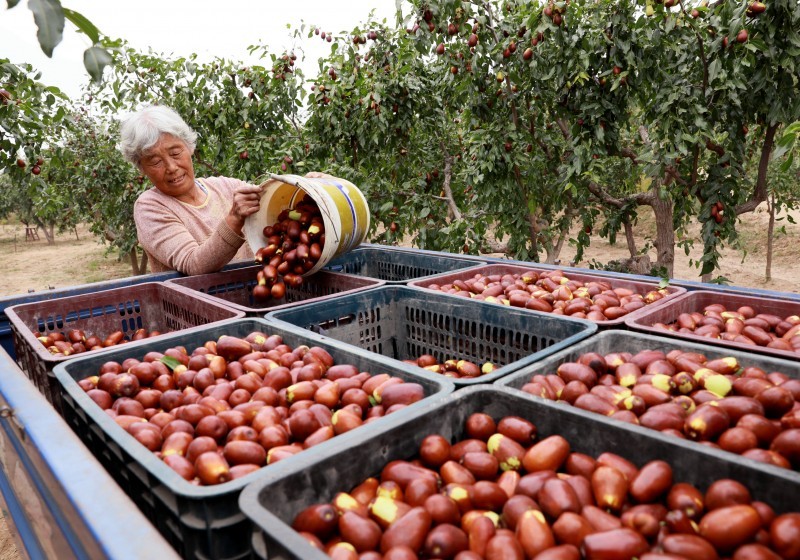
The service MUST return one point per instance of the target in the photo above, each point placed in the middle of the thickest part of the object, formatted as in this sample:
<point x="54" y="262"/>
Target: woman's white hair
<point x="141" y="131"/>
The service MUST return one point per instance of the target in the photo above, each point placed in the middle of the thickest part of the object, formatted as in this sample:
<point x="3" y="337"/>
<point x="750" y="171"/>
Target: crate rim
<point x="164" y="473"/>
<point x="473" y="262"/>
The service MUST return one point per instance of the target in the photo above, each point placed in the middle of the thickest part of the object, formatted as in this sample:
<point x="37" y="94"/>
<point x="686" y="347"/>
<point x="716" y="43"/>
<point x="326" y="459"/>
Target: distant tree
<point x="30" y="113"/>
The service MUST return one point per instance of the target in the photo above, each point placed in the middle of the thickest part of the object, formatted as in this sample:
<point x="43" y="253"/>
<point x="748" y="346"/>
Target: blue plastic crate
<point x="499" y="270"/>
<point x="634" y="342"/>
<point x="154" y="306"/>
<point x="234" y="288"/>
<point x="698" y="300"/>
<point x="6" y="339"/>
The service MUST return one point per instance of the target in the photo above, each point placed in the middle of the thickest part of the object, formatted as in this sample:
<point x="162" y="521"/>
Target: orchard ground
<point x="73" y="260"/>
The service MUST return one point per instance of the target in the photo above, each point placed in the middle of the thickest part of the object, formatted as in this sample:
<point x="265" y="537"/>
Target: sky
<point x="182" y="27"/>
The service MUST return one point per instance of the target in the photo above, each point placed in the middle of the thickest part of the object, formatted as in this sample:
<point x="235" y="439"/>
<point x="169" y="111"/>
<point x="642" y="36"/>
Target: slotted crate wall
<point x="404" y="323"/>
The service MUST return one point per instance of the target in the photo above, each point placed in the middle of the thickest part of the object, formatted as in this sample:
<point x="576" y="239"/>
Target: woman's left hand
<point x="319" y="175"/>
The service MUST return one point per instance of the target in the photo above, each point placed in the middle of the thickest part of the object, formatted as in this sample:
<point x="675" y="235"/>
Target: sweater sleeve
<point x="163" y="235"/>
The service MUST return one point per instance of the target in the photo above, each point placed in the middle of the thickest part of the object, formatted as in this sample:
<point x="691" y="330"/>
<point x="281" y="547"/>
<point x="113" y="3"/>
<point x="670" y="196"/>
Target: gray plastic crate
<point x="404" y="323"/>
<point x="234" y="288"/>
<point x="200" y="522"/>
<point x="397" y="267"/>
<point x="273" y="502"/>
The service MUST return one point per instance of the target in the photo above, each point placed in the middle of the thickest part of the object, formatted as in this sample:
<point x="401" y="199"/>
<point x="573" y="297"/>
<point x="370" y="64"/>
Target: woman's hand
<point x="319" y="175"/>
<point x="246" y="201"/>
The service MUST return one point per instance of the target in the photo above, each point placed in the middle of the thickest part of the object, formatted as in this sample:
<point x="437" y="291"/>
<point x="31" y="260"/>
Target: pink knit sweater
<point x="186" y="238"/>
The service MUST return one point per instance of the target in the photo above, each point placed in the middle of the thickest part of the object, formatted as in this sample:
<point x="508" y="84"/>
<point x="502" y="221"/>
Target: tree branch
<point x="448" y="173"/>
<point x="760" y="192"/>
<point x="562" y="124"/>
<point x="628" y="153"/>
<point x="644" y="134"/>
<point x="495" y="246"/>
<point x="629" y="239"/>
<point x="209" y="166"/>
<point x="640" y="199"/>
<point x="673" y="173"/>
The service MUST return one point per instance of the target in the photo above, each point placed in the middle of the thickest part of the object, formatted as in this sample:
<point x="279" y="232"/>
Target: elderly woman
<point x="184" y="223"/>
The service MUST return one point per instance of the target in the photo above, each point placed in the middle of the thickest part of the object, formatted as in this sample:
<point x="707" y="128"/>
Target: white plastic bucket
<point x="345" y="212"/>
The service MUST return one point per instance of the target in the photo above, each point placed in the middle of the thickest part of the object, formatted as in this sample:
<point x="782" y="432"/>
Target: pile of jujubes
<point x="553" y="292"/>
<point x="719" y="402"/>
<point x="231" y="406"/>
<point x="293" y="247"/>
<point x="503" y="494"/>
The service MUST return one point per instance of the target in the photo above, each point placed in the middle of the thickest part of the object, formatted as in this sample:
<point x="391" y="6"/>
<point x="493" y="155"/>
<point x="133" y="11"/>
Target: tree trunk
<point x="139" y="267"/>
<point x="75" y="229"/>
<point x="134" y="260"/>
<point x="534" y="232"/>
<point x="143" y="263"/>
<point x="47" y="230"/>
<point x="665" y="234"/>
<point x="554" y="250"/>
<point x="629" y="239"/>
<point x="453" y="211"/>
<point x="770" y="240"/>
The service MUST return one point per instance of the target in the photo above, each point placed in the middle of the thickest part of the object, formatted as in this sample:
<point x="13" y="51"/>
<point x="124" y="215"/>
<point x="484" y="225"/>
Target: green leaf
<point x="95" y="59"/>
<point x="787" y="165"/>
<point x="49" y="18"/>
<point x="83" y="24"/>
<point x="713" y="70"/>
<point x="783" y="145"/>
<point x="170" y="362"/>
<point x="12" y="3"/>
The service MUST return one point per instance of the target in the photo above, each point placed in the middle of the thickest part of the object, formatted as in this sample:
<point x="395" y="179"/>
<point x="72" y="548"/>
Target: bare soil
<point x="8" y="549"/>
<point x="36" y="266"/>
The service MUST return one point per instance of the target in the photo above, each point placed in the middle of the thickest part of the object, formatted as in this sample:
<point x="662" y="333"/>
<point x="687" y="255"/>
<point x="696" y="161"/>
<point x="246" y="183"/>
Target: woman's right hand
<point x="246" y="201"/>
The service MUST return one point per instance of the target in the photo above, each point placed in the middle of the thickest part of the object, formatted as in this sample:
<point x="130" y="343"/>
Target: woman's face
<point x="169" y="167"/>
